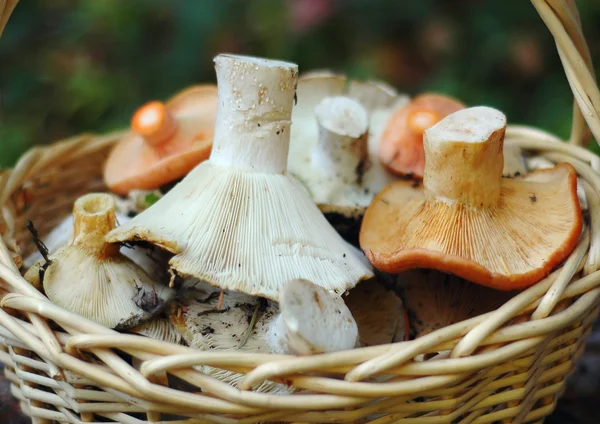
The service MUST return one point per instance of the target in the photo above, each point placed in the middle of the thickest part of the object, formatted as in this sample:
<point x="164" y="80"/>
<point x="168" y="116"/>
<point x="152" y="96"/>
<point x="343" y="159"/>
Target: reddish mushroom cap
<point x="401" y="146"/>
<point x="166" y="141"/>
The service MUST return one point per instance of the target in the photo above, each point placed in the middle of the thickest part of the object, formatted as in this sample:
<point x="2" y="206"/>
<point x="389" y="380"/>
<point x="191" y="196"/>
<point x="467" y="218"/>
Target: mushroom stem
<point x="464" y="157"/>
<point x="254" y="113"/>
<point x="342" y="150"/>
<point x="94" y="216"/>
<point x="155" y="124"/>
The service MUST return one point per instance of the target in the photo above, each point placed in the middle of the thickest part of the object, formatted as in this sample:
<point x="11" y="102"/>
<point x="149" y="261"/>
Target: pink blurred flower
<point x="306" y="14"/>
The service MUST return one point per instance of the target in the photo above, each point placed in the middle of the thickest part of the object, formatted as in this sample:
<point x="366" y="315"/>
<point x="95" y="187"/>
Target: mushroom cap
<point x="401" y="146"/>
<point x="166" y="141"/>
<point x="435" y="300"/>
<point x="533" y="227"/>
<point x="205" y="327"/>
<point x="378" y="312"/>
<point x="279" y="233"/>
<point x="312" y="320"/>
<point x="106" y="291"/>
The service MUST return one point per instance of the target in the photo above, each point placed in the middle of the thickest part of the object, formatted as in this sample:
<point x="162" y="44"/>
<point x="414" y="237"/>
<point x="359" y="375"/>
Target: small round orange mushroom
<point x="166" y="141"/>
<point x="401" y="146"/>
<point x="467" y="219"/>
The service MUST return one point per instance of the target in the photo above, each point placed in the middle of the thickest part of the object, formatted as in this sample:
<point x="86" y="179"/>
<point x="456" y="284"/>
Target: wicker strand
<point x="578" y="74"/>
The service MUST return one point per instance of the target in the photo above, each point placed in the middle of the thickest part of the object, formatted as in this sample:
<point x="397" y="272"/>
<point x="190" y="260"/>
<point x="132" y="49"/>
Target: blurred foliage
<point x="72" y="66"/>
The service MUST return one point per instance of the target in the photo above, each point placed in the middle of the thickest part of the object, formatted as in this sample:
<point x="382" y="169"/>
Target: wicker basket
<point x="509" y="365"/>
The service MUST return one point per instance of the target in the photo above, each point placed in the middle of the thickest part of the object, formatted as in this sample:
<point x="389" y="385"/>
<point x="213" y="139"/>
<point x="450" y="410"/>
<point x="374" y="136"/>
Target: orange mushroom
<point x="401" y="146"/>
<point x="166" y="141"/>
<point x="469" y="221"/>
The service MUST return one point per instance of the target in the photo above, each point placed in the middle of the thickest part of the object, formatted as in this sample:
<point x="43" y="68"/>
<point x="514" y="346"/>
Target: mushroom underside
<point x="510" y="245"/>
<point x="257" y="231"/>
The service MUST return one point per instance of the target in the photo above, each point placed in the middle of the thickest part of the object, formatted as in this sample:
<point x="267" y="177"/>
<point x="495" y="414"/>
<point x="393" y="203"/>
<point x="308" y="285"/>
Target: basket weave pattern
<point x="508" y="365"/>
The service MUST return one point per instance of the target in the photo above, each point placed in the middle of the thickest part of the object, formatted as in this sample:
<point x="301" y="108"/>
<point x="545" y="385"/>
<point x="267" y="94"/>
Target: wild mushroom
<point x="92" y="278"/>
<point x="166" y="141"/>
<point x="331" y="143"/>
<point x="468" y="220"/>
<point x="378" y="312"/>
<point x="435" y="300"/>
<point x="308" y="320"/>
<point x="238" y="221"/>
<point x="401" y="145"/>
<point x="311" y="321"/>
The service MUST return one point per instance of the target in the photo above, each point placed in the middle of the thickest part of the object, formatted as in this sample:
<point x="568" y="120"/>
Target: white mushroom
<point x="308" y="320"/>
<point x="311" y="321"/>
<point x="333" y="151"/>
<point x="238" y="221"/>
<point x="92" y="278"/>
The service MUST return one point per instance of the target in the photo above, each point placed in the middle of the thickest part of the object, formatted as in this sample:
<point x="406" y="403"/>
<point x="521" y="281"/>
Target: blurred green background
<point x="69" y="66"/>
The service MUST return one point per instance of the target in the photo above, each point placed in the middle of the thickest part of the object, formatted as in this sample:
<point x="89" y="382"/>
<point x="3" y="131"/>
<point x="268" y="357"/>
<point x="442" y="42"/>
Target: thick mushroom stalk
<point x="154" y="123"/>
<point x="94" y="216"/>
<point x="256" y="97"/>
<point x="464" y="157"/>
<point x="342" y="151"/>
<point x="506" y="233"/>
<point x="238" y="221"/>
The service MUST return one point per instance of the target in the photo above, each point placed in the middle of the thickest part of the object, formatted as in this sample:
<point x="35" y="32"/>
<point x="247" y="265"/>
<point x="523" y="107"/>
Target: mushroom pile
<point x="221" y="230"/>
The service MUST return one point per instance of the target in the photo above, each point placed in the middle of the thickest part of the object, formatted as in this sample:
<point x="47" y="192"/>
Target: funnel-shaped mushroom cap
<point x="468" y="220"/>
<point x="238" y="221"/>
<point x="166" y="141"/>
<point x="91" y="278"/>
<point x="241" y="323"/>
<point x="378" y="313"/>
<point x="401" y="146"/>
<point x="435" y="300"/>
<point x="6" y="9"/>
<point x="205" y="326"/>
<point x="312" y="320"/>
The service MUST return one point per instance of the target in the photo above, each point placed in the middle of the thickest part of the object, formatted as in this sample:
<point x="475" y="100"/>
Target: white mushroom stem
<point x="465" y="160"/>
<point x="311" y="320"/>
<point x="94" y="216"/>
<point x="342" y="151"/>
<point x="253" y="116"/>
